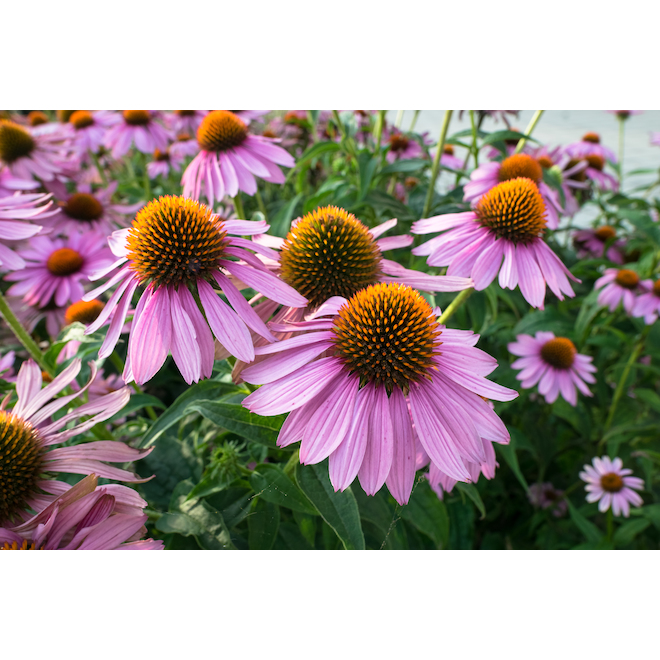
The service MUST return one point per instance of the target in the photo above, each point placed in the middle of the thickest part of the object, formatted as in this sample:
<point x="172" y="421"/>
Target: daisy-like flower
<point x="448" y="159"/>
<point x="29" y="153"/>
<point x="648" y="303"/>
<point x="28" y="458"/>
<point x="507" y="223"/>
<point x="608" y="484"/>
<point x="402" y="146"/>
<point x="546" y="496"/>
<point x="37" y="118"/>
<point x="230" y="158"/>
<point x="488" y="175"/>
<point x="618" y="286"/>
<point x="176" y="245"/>
<point x="355" y="384"/>
<point x="595" y="172"/>
<point x="9" y="184"/>
<point x="57" y="268"/>
<point x="185" y="121"/>
<point x="85" y="517"/>
<point x="590" y="145"/>
<point x="591" y="242"/>
<point x="90" y="129"/>
<point x="185" y="145"/>
<point x="553" y="363"/>
<point x="16" y="212"/>
<point x="163" y="161"/>
<point x="137" y="127"/>
<point x="625" y="114"/>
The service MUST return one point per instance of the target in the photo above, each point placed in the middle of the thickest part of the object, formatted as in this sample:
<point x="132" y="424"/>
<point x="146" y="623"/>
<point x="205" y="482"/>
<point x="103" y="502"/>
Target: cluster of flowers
<point x="338" y="335"/>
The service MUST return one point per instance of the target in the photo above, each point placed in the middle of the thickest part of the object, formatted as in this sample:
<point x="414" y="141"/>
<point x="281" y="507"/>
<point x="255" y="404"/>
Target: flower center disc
<point x="559" y="352"/>
<point x="64" y="261"/>
<point x="14" y="546"/>
<point x="136" y="117"/>
<point x="81" y="119"/>
<point x="594" y="138"/>
<point x="184" y="113"/>
<point x="20" y="464"/>
<point x="545" y="162"/>
<point x="221" y="130"/>
<point x="175" y="240"/>
<point x="37" y="118"/>
<point x="64" y="115"/>
<point x="329" y="253"/>
<point x="15" y="141"/>
<point x="520" y="165"/>
<point x="448" y="149"/>
<point x="398" y="142"/>
<point x="513" y="210"/>
<point x="595" y="162"/>
<point x="161" y="156"/>
<point x="656" y="288"/>
<point x="83" y="312"/>
<point x="387" y="334"/>
<point x="605" y="233"/>
<point x="611" y="482"/>
<point x="581" y="175"/>
<point x="83" y="207"/>
<point x="628" y="279"/>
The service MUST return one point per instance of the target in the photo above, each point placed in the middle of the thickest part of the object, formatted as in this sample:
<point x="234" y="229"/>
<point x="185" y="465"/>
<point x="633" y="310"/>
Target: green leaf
<point x="263" y="525"/>
<point x="427" y="513"/>
<point x="367" y="166"/>
<point x="381" y="200"/>
<point x="234" y="417"/>
<point x="137" y="402"/>
<point x="508" y="452"/>
<point x="471" y="491"/>
<point x="649" y="397"/>
<point x="313" y="152"/>
<point x="500" y="136"/>
<point x="628" y="531"/>
<point x="590" y="531"/>
<point x="404" y="166"/>
<point x="281" y="222"/>
<point x="271" y="484"/>
<point x="339" y="510"/>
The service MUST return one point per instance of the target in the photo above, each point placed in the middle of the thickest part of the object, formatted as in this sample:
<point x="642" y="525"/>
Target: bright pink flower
<point x="137" y="127"/>
<point x="176" y="243"/>
<point x="608" y="484"/>
<point x="618" y="286"/>
<point x="507" y="223"/>
<point x="163" y="161"/>
<point x="230" y="158"/>
<point x="594" y="171"/>
<point x="185" y="121"/>
<point x="648" y="303"/>
<point x="553" y="363"/>
<point x="355" y="384"/>
<point x="546" y="496"/>
<point x="85" y="517"/>
<point x="591" y="243"/>
<point x="9" y="184"/>
<point x="590" y="145"/>
<point x="57" y="268"/>
<point x="402" y="146"/>
<point x="28" y="433"/>
<point x="448" y="159"/>
<point x="90" y="129"/>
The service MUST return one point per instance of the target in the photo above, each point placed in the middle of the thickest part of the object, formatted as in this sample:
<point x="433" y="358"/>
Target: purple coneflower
<point x="56" y="269"/>
<point x="137" y="127"/>
<point x="594" y="171"/>
<point x="608" y="484"/>
<point x="619" y="286"/>
<point x="355" y="384"/>
<point x="488" y="175"/>
<point x="85" y="517"/>
<point x="553" y="363"/>
<point x="402" y="146"/>
<point x="448" y="159"/>
<point x="176" y="243"/>
<point x="9" y="184"/>
<point x="590" y="145"/>
<point x="591" y="243"/>
<point x="185" y="121"/>
<point x="163" y="161"/>
<point x="546" y="496"/>
<point x="90" y="129"/>
<point x="28" y="433"/>
<point x="648" y="303"/>
<point x="230" y="158"/>
<point x="507" y="223"/>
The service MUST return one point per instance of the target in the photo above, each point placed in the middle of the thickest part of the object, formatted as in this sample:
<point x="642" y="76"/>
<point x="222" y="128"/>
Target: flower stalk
<point x="436" y="162"/>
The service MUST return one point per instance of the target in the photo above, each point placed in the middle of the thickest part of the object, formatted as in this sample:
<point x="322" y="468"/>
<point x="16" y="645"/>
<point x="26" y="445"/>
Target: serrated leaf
<point x="271" y="484"/>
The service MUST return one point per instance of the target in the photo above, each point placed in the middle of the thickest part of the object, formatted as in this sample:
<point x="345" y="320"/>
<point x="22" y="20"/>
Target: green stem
<point x="475" y="150"/>
<point x="610" y="524"/>
<point x="145" y="179"/>
<point x="455" y="304"/>
<point x="621" y="134"/>
<point x="436" y="162"/>
<point x="399" y="118"/>
<point x="414" y="120"/>
<point x="262" y="206"/>
<point x="99" y="169"/>
<point x="312" y="130"/>
<point x="24" y="336"/>
<point x="380" y="122"/>
<point x="528" y="131"/>
<point x="238" y="205"/>
<point x="290" y="466"/>
<point x="340" y="125"/>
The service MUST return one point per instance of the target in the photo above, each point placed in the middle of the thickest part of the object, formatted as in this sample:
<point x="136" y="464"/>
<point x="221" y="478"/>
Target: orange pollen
<point x="137" y="117"/>
<point x="14" y="546"/>
<point x="183" y="137"/>
<point x="37" y="118"/>
<point x="594" y="138"/>
<point x="611" y="482"/>
<point x="64" y="261"/>
<point x="398" y="142"/>
<point x="559" y="352"/>
<point x="448" y="149"/>
<point x="513" y="210"/>
<point x="83" y="312"/>
<point x="161" y="155"/>
<point x="81" y="119"/>
<point x="174" y="240"/>
<point x="628" y="279"/>
<point x="387" y="334"/>
<point x="63" y="116"/>
<point x="596" y="162"/>
<point x="15" y="141"/>
<point x="269" y="134"/>
<point x="329" y="253"/>
<point x="605" y="233"/>
<point x="46" y="377"/>
<point x="221" y="130"/>
<point x="656" y="288"/>
<point x="83" y="207"/>
<point x="520" y="165"/>
<point x="545" y="162"/>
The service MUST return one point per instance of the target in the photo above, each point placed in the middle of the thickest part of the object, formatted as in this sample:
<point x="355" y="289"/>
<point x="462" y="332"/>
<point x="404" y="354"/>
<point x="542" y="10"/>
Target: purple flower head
<point x="648" y="303"/>
<point x="618" y="286"/>
<point x="137" y="127"/>
<point x="546" y="496"/>
<point x="590" y="145"/>
<point x="591" y="243"/>
<point x="609" y="484"/>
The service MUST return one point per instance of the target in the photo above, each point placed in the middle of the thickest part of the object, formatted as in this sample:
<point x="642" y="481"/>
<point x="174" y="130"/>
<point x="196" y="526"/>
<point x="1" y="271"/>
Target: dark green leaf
<point x="628" y="531"/>
<point x="428" y="513"/>
<point x="590" y="531"/>
<point x="404" y="166"/>
<point x="263" y="524"/>
<point x="272" y="485"/>
<point x="367" y="166"/>
<point x="471" y="491"/>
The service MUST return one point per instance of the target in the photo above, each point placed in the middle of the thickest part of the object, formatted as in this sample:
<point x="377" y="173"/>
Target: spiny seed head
<point x="545" y="162"/>
<point x="628" y="279"/>
<point x="513" y="210"/>
<point x="37" y="118"/>
<point x="221" y="130"/>
<point x="81" y="119"/>
<point x="329" y="253"/>
<point x="83" y="312"/>
<point x="83" y="207"/>
<point x="387" y="334"/>
<point x="398" y="142"/>
<point x="137" y="117"/>
<point x="520" y="165"/>
<point x="64" y="261"/>
<point x="15" y="141"/>
<point x="160" y="156"/>
<point x="611" y="482"/>
<point x="174" y="240"/>
<point x="595" y="162"/>
<point x="448" y="149"/>
<point x="605" y="233"/>
<point x="656" y="288"/>
<point x="559" y="352"/>
<point x="64" y="115"/>
<point x="594" y="138"/>
<point x="21" y="463"/>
